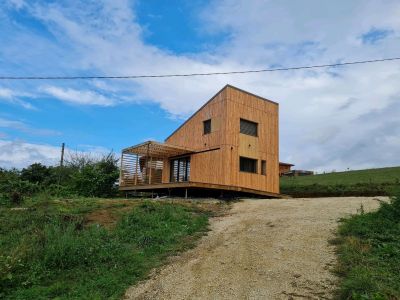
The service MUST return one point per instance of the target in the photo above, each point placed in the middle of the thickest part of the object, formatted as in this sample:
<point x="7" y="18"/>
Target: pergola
<point x="142" y="164"/>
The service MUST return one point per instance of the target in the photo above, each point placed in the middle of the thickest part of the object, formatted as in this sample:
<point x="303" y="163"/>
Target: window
<point x="248" y="127"/>
<point x="207" y="126"/>
<point x="263" y="167"/>
<point x="248" y="165"/>
<point x="180" y="169"/>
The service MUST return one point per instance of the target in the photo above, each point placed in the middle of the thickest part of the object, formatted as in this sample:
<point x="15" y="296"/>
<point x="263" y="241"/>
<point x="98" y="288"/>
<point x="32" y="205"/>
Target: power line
<point x="195" y="74"/>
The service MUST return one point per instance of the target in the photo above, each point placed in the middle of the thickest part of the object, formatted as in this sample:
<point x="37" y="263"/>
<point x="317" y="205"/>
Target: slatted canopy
<point x="157" y="150"/>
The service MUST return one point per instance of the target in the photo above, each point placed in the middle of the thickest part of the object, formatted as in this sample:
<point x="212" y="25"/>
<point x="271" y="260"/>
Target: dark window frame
<point x="248" y="169"/>
<point x="249" y="123"/>
<point x="207" y="126"/>
<point x="177" y="166"/>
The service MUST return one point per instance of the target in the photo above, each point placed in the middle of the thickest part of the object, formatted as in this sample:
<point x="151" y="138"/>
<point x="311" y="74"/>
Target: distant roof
<point x="228" y="85"/>
<point x="285" y="164"/>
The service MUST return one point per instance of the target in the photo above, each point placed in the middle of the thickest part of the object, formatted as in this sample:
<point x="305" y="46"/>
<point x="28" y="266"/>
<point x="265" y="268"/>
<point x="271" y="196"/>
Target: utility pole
<point x="62" y="155"/>
<point x="61" y="163"/>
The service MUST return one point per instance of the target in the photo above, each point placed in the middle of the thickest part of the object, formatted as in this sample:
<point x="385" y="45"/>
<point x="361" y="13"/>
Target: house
<point x="230" y="144"/>
<point x="284" y="168"/>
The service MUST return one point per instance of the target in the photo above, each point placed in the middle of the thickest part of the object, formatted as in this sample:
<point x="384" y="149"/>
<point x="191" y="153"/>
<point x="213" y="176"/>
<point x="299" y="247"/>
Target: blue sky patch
<point x="374" y="35"/>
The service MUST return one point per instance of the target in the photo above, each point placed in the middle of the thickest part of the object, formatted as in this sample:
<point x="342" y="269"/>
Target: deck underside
<point x="198" y="185"/>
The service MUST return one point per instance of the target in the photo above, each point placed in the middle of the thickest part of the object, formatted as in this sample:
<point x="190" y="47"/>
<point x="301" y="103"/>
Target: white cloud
<point x="19" y="154"/>
<point x="22" y="126"/>
<point x="18" y="4"/>
<point x="11" y="96"/>
<point x="78" y="96"/>
<point x="323" y="112"/>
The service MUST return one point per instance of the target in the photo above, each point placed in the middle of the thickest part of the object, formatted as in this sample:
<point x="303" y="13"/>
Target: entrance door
<point x="180" y="169"/>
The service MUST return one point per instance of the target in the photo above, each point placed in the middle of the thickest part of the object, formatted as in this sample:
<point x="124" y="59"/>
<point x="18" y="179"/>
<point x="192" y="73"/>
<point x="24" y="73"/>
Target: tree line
<point x="81" y="175"/>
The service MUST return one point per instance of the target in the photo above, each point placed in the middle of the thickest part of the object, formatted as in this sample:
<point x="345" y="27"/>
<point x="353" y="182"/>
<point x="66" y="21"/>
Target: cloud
<point x="80" y="97"/>
<point x="324" y="123"/>
<point x="11" y="96"/>
<point x="19" y="154"/>
<point x="18" y="4"/>
<point x="21" y="126"/>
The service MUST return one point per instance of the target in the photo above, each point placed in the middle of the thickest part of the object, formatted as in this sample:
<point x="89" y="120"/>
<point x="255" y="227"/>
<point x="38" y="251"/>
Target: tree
<point x="36" y="173"/>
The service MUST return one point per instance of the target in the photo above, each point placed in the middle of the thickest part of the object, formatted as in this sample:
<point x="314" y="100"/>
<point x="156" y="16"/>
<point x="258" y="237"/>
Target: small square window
<point x="207" y="126"/>
<point x="263" y="167"/>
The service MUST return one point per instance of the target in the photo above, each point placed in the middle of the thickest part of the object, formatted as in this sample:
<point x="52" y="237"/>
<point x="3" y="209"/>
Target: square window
<point x="207" y="126"/>
<point x="248" y="165"/>
<point x="248" y="127"/>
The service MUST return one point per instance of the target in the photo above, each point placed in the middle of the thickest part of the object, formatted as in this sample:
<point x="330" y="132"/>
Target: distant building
<point x="298" y="173"/>
<point x="284" y="168"/>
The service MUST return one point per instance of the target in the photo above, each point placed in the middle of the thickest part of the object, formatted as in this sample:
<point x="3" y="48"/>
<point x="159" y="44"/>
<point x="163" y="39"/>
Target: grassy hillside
<point x="370" y="182"/>
<point x="91" y="248"/>
<point x="369" y="253"/>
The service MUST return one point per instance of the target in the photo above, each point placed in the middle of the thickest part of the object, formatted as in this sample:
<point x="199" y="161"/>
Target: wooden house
<point x="284" y="168"/>
<point x="230" y="144"/>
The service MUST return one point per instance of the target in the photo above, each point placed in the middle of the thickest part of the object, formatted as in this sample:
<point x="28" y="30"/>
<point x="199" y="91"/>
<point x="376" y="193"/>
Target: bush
<point x="96" y="179"/>
<point x="81" y="176"/>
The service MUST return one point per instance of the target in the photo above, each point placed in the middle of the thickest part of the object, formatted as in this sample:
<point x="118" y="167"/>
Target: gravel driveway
<point x="263" y="249"/>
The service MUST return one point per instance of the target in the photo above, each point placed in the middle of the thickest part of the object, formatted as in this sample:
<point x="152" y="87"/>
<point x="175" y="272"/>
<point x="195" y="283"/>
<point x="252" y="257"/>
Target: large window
<point x="248" y="165"/>
<point x="248" y="127"/>
<point x="180" y="169"/>
<point x="207" y="126"/>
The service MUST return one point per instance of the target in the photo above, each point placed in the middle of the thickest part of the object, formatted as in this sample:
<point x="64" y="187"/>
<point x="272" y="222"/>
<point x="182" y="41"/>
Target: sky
<point x="330" y="119"/>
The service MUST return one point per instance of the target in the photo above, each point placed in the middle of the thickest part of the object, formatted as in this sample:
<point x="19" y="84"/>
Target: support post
<point x="151" y="164"/>
<point x="186" y="193"/>
<point x="136" y="169"/>
<point x="120" y="169"/>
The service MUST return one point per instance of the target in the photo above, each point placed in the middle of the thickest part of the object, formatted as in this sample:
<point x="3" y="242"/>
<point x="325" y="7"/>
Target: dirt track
<point x="264" y="249"/>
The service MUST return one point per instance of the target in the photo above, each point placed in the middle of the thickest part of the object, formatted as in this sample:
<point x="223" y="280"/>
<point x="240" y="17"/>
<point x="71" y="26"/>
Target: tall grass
<point x="53" y="255"/>
<point x="369" y="254"/>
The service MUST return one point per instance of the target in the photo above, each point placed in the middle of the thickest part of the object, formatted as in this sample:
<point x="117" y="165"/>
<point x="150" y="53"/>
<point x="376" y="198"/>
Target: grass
<point x="369" y="253"/>
<point x="370" y="182"/>
<point x="58" y="249"/>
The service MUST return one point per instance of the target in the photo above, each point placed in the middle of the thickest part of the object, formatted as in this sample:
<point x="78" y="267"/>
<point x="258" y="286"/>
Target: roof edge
<point x="251" y="94"/>
<point x="215" y="95"/>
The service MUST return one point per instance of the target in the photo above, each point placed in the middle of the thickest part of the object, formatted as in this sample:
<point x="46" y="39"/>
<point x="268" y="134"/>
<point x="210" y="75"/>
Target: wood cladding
<point x="221" y="167"/>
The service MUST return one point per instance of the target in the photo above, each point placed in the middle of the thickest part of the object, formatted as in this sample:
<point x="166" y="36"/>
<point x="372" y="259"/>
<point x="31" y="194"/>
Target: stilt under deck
<point x="199" y="185"/>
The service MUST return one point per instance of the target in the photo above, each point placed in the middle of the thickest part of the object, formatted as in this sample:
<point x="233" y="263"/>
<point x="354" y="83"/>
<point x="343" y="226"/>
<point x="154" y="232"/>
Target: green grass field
<point x="91" y="248"/>
<point x="369" y="253"/>
<point x="381" y="175"/>
<point x="370" y="182"/>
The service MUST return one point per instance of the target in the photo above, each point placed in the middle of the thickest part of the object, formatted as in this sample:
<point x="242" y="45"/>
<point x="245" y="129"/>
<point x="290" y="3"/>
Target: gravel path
<point x="263" y="249"/>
